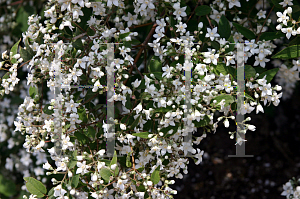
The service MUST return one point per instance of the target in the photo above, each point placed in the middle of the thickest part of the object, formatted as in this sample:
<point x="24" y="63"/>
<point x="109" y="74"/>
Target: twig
<point x="264" y="24"/>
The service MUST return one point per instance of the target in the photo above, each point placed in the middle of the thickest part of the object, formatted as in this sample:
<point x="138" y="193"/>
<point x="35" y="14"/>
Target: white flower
<point x="200" y="25"/>
<point x="226" y="123"/>
<point x="66" y="142"/>
<point x="259" y="108"/>
<point x="110" y="2"/>
<point x="113" y="167"/>
<point x="212" y="33"/>
<point x="136" y="83"/>
<point x="71" y="106"/>
<point x="59" y="191"/>
<point x="179" y="12"/>
<point x="181" y="27"/>
<point x="131" y="19"/>
<point x="211" y="58"/>
<point x="286" y="2"/>
<point x="289" y="31"/>
<point x="251" y="127"/>
<point x="199" y="156"/>
<point x="234" y="3"/>
<point x="282" y="17"/>
<point x="123" y="126"/>
<point x="82" y="168"/>
<point x="261" y="14"/>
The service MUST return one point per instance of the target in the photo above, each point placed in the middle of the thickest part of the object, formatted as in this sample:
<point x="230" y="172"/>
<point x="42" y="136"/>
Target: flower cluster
<point x="152" y="121"/>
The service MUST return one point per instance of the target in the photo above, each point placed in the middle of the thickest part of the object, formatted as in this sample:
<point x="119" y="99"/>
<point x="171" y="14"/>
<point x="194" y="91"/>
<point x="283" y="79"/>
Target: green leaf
<point x="249" y="72"/>
<point x="288" y="53"/>
<point x="6" y="76"/>
<point x="128" y="103"/>
<point x="270" y="74"/>
<point x="142" y="135"/>
<point x="122" y="36"/>
<point x="35" y="187"/>
<point x="260" y="70"/>
<point x="245" y="31"/>
<point x="228" y="99"/>
<point x="105" y="174"/>
<point x="21" y="19"/>
<point x="82" y="114"/>
<point x="77" y="44"/>
<point x="155" y="65"/>
<point x="163" y="109"/>
<point x="14" y="51"/>
<point x="73" y="160"/>
<point x="25" y="55"/>
<point x="33" y="91"/>
<point x="155" y="178"/>
<point x="271" y="35"/>
<point x="204" y="122"/>
<point x="83" y="139"/>
<point x="47" y="111"/>
<point x="276" y="3"/>
<point x="231" y="46"/>
<point x="203" y="10"/>
<point x="249" y="97"/>
<point x="91" y="132"/>
<point x="128" y="162"/>
<point x="222" y="68"/>
<point x="114" y="161"/>
<point x="7" y="187"/>
<point x="135" y="123"/>
<point x="75" y="180"/>
<point x="224" y="28"/>
<point x="295" y="41"/>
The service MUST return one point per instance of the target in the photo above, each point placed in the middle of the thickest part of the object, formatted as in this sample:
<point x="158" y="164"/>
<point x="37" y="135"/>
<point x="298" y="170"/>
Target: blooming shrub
<point x="70" y="47"/>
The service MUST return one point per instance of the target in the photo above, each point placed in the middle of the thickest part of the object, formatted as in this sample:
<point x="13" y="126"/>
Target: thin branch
<point x="264" y="24"/>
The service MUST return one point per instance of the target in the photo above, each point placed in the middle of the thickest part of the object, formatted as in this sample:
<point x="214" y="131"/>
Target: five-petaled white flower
<point x="82" y="168"/>
<point x="212" y="33"/>
<point x="71" y="106"/>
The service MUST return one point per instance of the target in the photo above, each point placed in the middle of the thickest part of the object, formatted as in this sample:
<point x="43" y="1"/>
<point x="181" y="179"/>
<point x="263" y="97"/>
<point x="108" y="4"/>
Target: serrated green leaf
<point x="245" y="31"/>
<point x="33" y="91"/>
<point x="203" y="10"/>
<point x="155" y="177"/>
<point x="105" y="174"/>
<point x="142" y="135"/>
<point x="35" y="187"/>
<point x="224" y="28"/>
<point x="75" y="180"/>
<point x="14" y="51"/>
<point x="270" y="74"/>
<point x="290" y="52"/>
